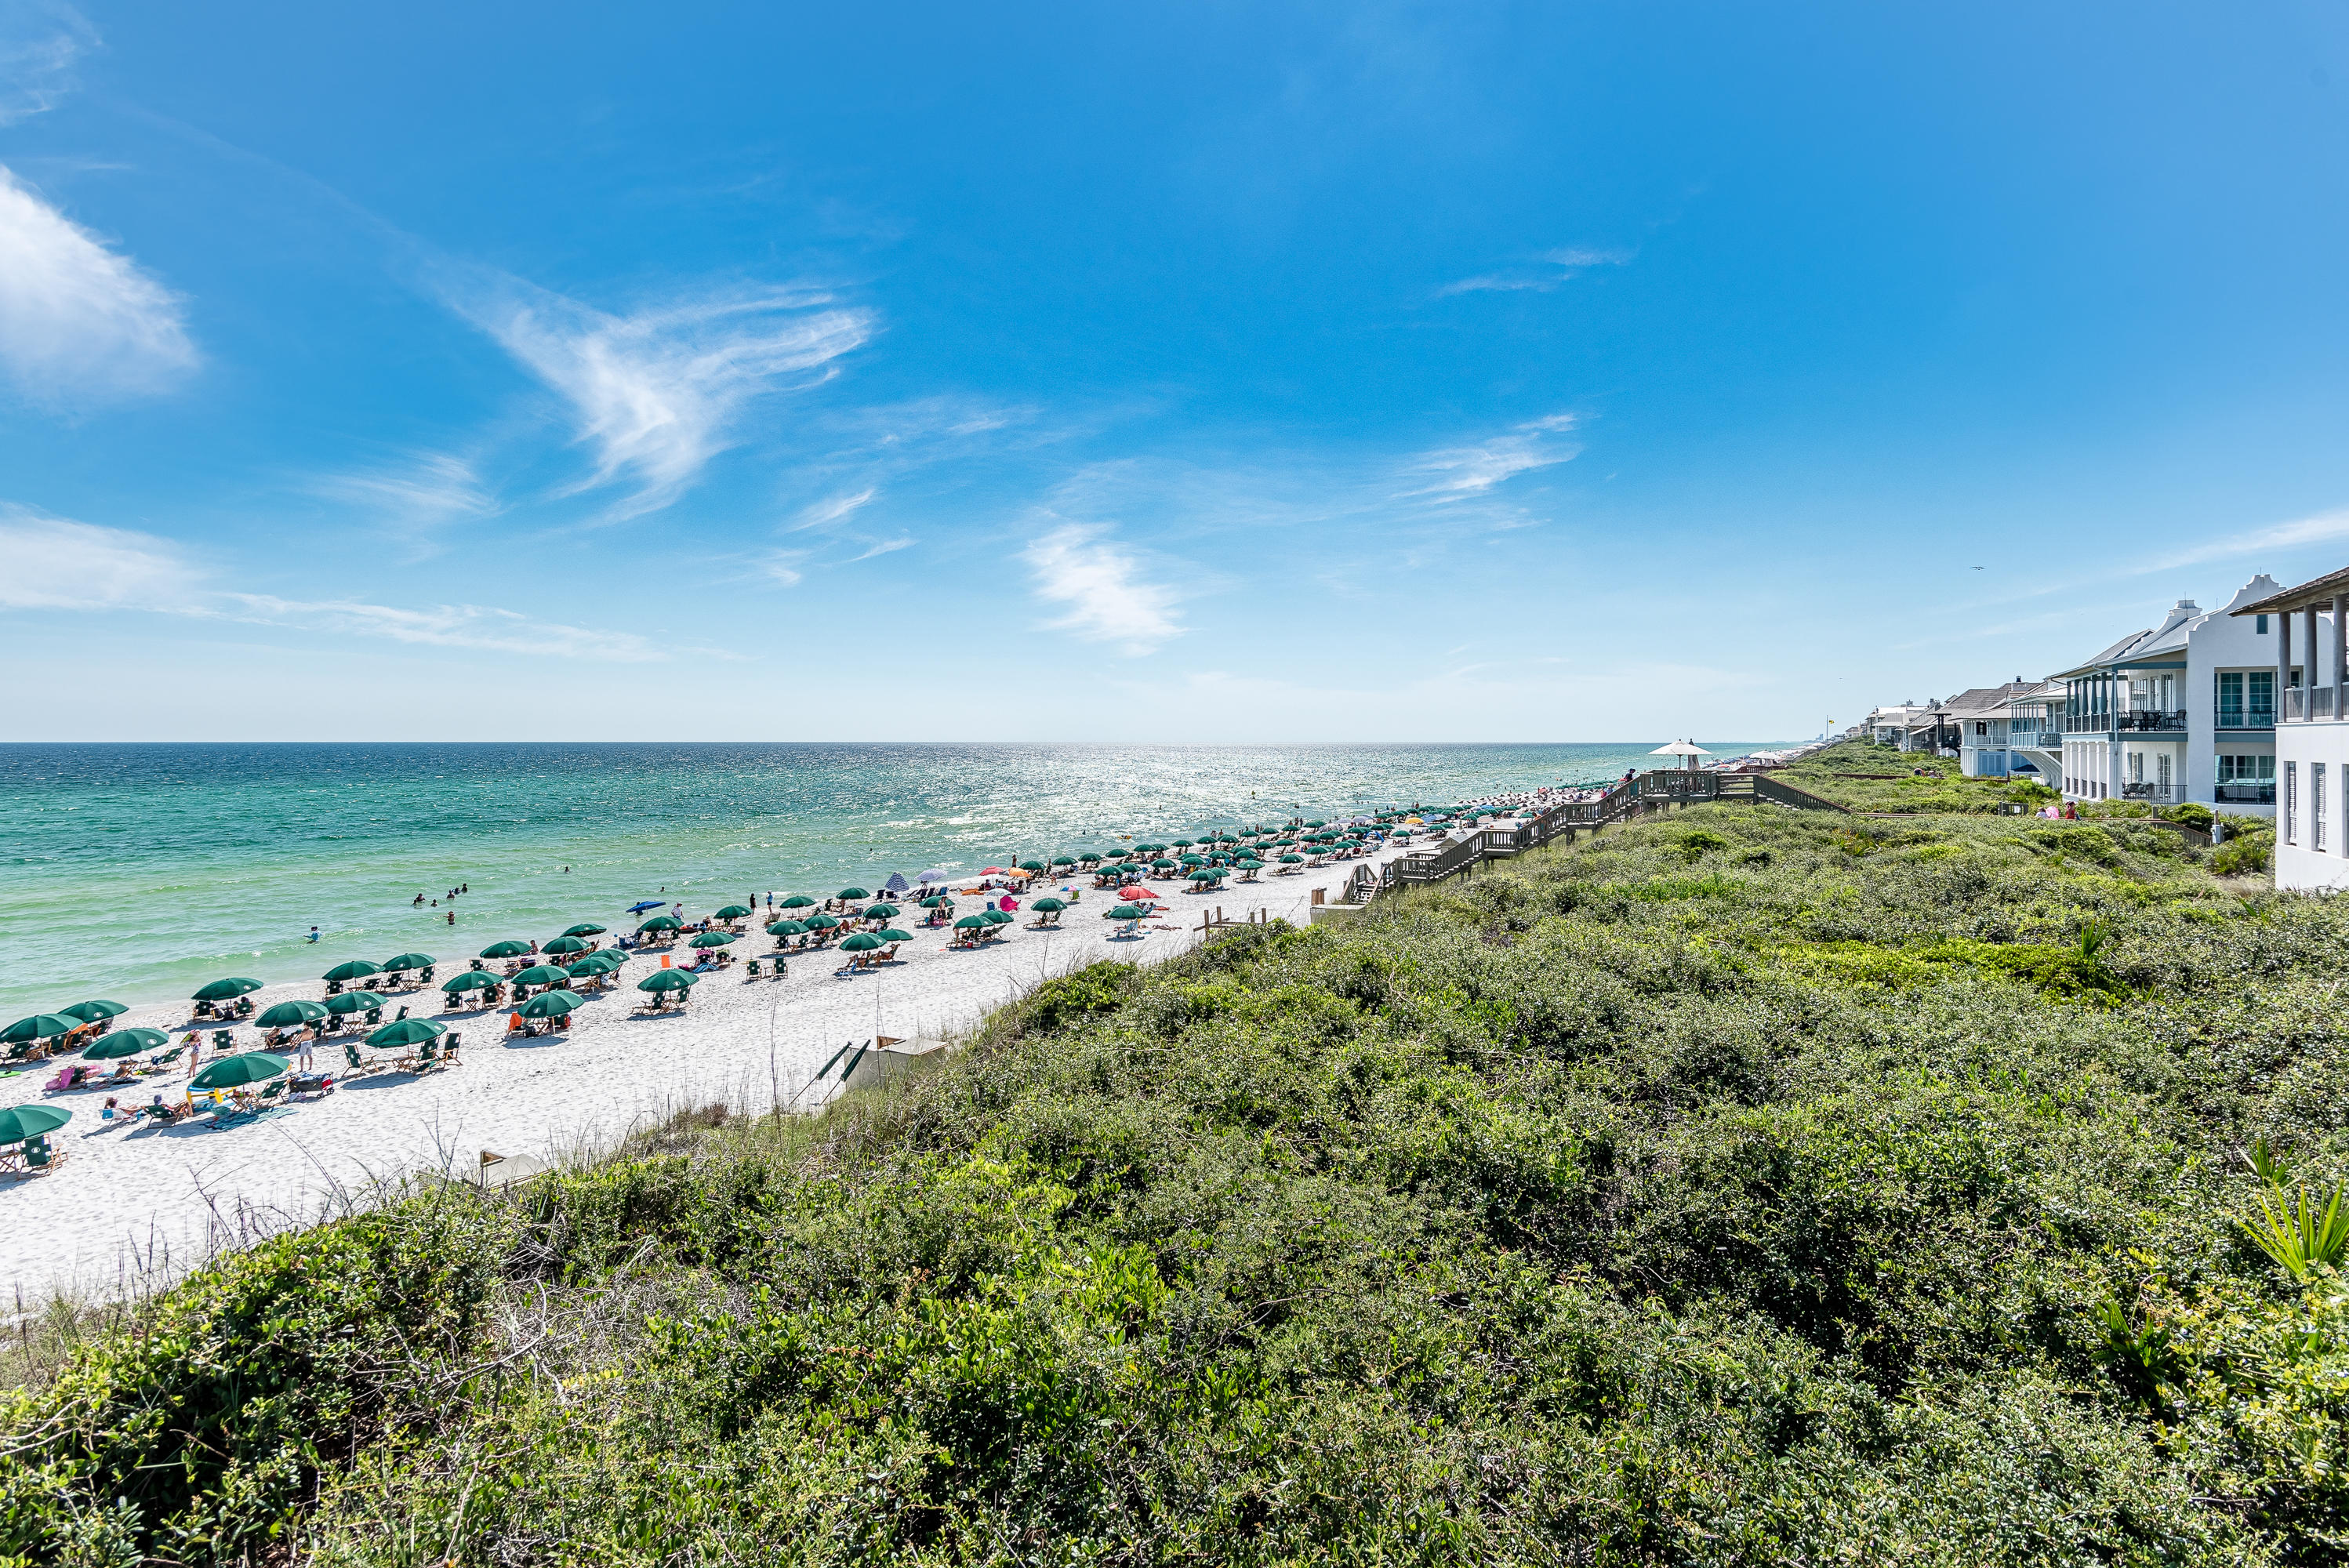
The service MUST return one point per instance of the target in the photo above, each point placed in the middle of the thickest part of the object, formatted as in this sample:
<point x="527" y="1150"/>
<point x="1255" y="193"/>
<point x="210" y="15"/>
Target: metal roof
<point x="2316" y="592"/>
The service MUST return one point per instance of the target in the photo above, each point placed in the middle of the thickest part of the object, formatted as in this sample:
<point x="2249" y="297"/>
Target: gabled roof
<point x="1987" y="701"/>
<point x="2316" y="592"/>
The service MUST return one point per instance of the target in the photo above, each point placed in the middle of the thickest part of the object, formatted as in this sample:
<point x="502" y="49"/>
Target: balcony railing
<point x="2300" y="702"/>
<point x="2149" y="718"/>
<point x="2158" y="794"/>
<point x="2246" y="717"/>
<point x="2246" y="792"/>
<point x="2133" y="720"/>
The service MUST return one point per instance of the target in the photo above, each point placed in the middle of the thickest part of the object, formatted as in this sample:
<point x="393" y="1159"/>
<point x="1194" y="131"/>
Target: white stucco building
<point x="2184" y="711"/>
<point x="2310" y="668"/>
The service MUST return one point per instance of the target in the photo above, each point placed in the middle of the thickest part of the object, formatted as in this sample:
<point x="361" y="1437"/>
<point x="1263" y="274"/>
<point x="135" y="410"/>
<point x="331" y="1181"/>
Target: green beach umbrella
<point x="1205" y="874"/>
<point x="39" y="1027"/>
<point x="1317" y="824"/>
<point x="1064" y="859"/>
<point x="505" y="950"/>
<point x="862" y="941"/>
<point x="251" y="1067"/>
<point x="565" y="945"/>
<point x="880" y="912"/>
<point x="408" y="961"/>
<point x="23" y="1121"/>
<point x="1047" y="906"/>
<point x="353" y="1002"/>
<point x="1164" y="866"/>
<point x="550" y="1004"/>
<point x="970" y="922"/>
<point x="1031" y="865"/>
<point x="585" y="928"/>
<point x="785" y="928"/>
<point x="733" y="911"/>
<point x="1182" y="843"/>
<point x="126" y="1043"/>
<point x="667" y="980"/>
<point x="798" y="901"/>
<point x="289" y="1015"/>
<point x="1129" y="911"/>
<point x="893" y="934"/>
<point x="1194" y="860"/>
<point x="1091" y="857"/>
<point x="661" y="923"/>
<point x="407" y="1031"/>
<point x="713" y="939"/>
<point x="542" y="975"/>
<point x="940" y="901"/>
<point x="471" y="980"/>
<point x="822" y="922"/>
<point x="91" y="1012"/>
<point x="1292" y="860"/>
<point x="996" y="916"/>
<point x="595" y="963"/>
<point x="357" y="969"/>
<point x="227" y="990"/>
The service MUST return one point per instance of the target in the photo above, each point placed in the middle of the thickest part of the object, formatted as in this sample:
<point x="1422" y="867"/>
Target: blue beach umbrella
<point x="648" y="903"/>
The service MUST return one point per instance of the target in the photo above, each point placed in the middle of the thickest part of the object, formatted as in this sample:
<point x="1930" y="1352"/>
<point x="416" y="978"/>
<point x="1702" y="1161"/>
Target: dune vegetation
<point x="1742" y="1186"/>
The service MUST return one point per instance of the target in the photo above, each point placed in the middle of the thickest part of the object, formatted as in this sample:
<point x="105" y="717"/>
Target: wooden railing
<point x="1650" y="791"/>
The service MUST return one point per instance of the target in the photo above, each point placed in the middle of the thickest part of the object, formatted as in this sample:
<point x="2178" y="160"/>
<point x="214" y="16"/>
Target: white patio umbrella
<point x="1688" y="748"/>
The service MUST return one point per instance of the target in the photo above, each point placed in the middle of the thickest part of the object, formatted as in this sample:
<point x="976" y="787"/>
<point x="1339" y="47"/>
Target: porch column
<point x="2308" y="671"/>
<point x="2283" y="666"/>
<point x="2341" y="656"/>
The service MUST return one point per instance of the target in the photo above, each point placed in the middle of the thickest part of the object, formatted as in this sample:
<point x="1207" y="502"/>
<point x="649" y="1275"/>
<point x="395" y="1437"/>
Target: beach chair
<point x="245" y="1007"/>
<point x="157" y="1064"/>
<point x="428" y="1057"/>
<point x="750" y="969"/>
<point x="224" y="1039"/>
<point x="398" y="1015"/>
<point x="40" y="1157"/>
<point x="428" y="980"/>
<point x="273" y="1092"/>
<point x="375" y="1016"/>
<point x="448" y="1049"/>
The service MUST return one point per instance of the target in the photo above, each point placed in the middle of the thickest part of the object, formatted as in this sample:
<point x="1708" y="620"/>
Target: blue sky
<point x="1214" y="372"/>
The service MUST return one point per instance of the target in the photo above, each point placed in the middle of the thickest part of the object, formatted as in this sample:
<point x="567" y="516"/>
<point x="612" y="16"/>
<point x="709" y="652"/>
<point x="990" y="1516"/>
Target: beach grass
<point x="1744" y="1185"/>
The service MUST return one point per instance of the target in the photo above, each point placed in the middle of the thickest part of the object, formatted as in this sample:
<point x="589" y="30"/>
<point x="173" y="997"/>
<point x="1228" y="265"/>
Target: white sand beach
<point x="130" y="1205"/>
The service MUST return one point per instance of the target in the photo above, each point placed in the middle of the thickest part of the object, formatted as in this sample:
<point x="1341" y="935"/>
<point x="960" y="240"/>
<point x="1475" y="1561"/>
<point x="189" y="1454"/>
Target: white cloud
<point x="1101" y="586"/>
<point x="481" y="627"/>
<point x="1578" y="256"/>
<point x="38" y="48"/>
<point x="883" y="548"/>
<point x="656" y="394"/>
<point x="833" y="509"/>
<point x="1567" y="262"/>
<point x="79" y="323"/>
<point x="56" y="564"/>
<point x="425" y="491"/>
<point x="2322" y="529"/>
<point x="1455" y="473"/>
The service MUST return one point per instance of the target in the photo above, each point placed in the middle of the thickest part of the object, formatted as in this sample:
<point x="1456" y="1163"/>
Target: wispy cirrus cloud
<point x="419" y="493"/>
<point x="2322" y="529"/>
<point x="832" y="510"/>
<point x="1458" y="473"/>
<point x="40" y="46"/>
<point x="482" y="628"/>
<point x="1101" y="585"/>
<point x="1550" y="270"/>
<point x="55" y="563"/>
<point x="80" y="324"/>
<point x="656" y="394"/>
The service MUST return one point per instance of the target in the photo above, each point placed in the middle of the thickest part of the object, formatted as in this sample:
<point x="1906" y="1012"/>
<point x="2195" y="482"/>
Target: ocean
<point x="138" y="872"/>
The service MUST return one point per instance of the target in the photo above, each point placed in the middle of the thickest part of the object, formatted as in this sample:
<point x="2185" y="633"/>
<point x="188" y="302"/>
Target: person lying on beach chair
<point x="159" y="1064"/>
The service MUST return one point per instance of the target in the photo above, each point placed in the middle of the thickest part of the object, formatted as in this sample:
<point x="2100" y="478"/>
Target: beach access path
<point x="130" y="1208"/>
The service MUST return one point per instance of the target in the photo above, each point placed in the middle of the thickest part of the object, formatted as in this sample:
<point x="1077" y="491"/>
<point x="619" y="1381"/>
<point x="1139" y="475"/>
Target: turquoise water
<point x="139" y="873"/>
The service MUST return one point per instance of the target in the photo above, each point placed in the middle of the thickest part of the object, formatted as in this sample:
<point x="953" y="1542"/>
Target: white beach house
<point x="2311" y="669"/>
<point x="2185" y="711"/>
<point x="1984" y="717"/>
